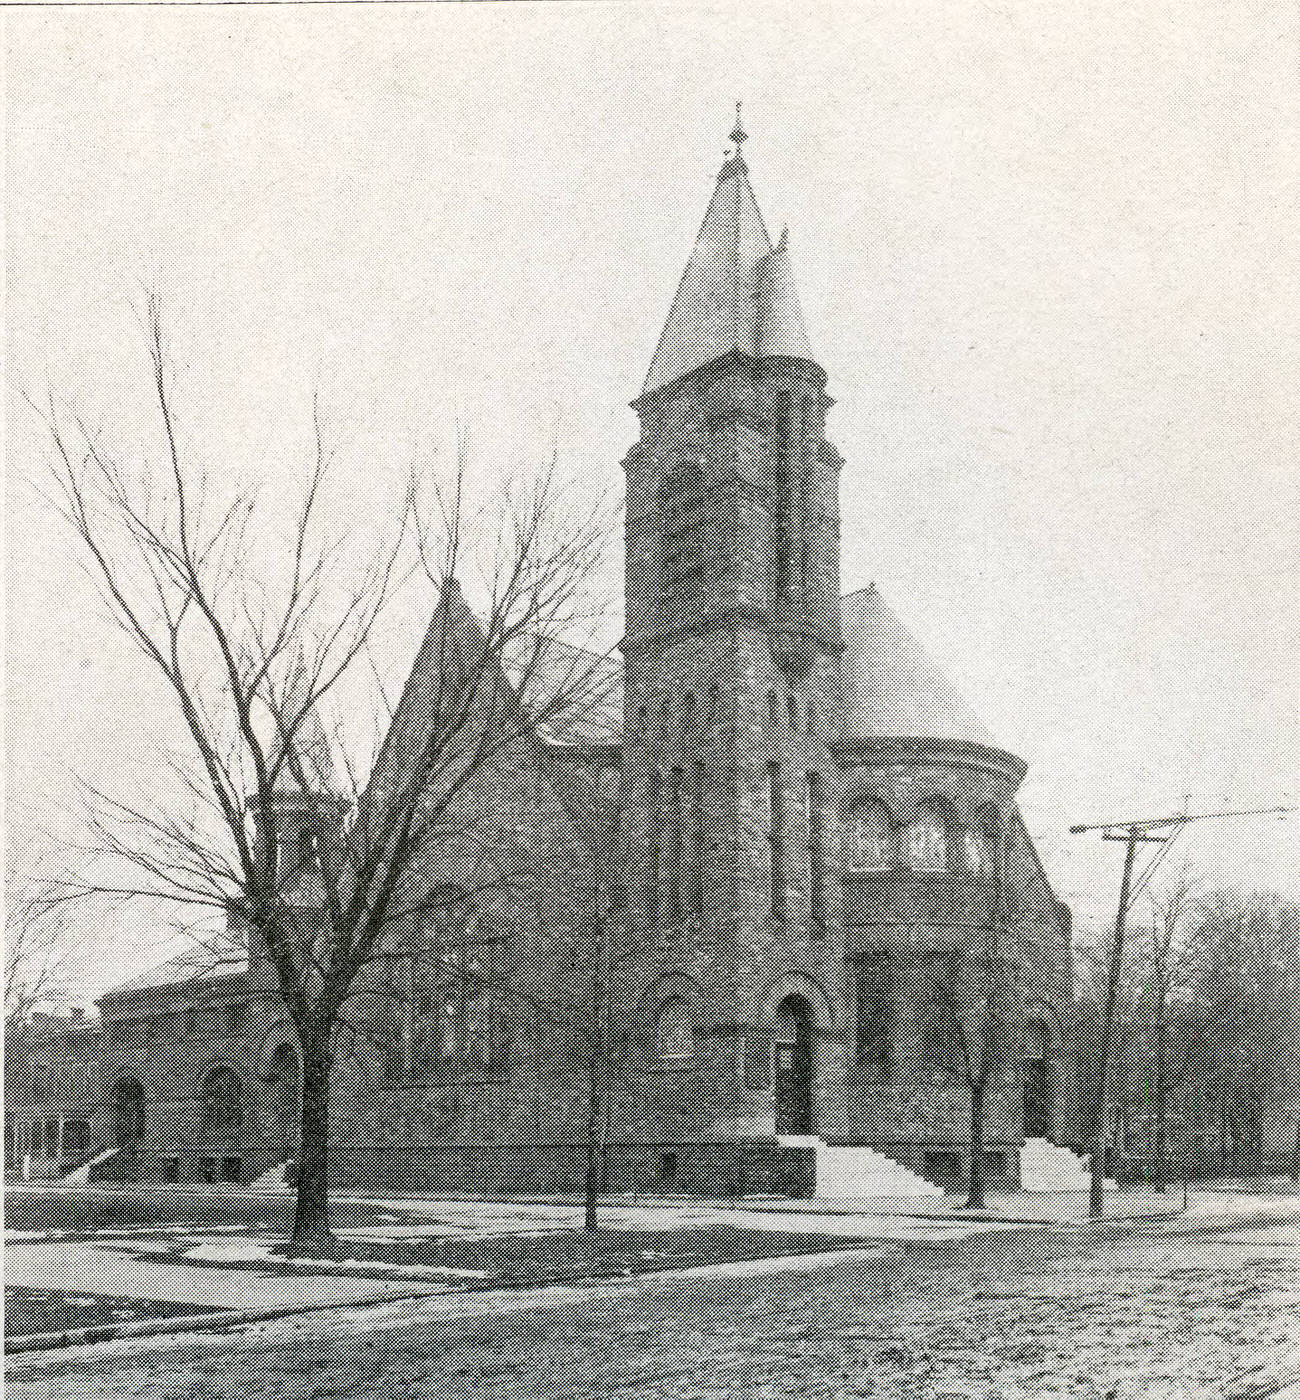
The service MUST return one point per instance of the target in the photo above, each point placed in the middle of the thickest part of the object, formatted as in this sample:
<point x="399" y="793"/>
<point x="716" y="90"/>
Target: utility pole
<point x="1097" y="1183"/>
<point x="1145" y="829"/>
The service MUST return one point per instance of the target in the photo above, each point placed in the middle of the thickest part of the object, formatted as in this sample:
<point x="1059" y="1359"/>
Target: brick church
<point x="817" y="843"/>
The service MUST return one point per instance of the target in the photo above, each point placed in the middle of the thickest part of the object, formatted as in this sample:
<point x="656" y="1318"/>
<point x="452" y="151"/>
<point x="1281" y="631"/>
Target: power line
<point x="1181" y="818"/>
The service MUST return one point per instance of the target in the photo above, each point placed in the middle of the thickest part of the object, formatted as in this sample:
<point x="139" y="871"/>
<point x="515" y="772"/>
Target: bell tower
<point x="733" y="638"/>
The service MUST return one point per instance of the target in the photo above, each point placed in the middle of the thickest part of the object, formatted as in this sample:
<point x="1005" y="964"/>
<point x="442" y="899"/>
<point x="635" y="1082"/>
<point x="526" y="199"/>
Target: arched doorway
<point x="128" y="1113"/>
<point x="283" y="1085"/>
<point x="792" y="1067"/>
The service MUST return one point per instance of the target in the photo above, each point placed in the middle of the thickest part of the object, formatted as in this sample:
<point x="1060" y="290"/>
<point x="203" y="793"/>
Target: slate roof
<point x="737" y="292"/>
<point x="892" y="688"/>
<point x="218" y="957"/>
<point x="595" y="681"/>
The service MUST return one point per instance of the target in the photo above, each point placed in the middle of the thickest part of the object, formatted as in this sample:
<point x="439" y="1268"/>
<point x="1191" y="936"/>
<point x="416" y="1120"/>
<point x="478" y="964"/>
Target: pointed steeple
<point x="737" y="292"/>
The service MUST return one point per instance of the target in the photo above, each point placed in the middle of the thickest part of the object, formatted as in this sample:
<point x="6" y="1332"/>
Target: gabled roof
<point x="453" y="644"/>
<point x="892" y="689"/>
<point x="589" y="684"/>
<point x="737" y="292"/>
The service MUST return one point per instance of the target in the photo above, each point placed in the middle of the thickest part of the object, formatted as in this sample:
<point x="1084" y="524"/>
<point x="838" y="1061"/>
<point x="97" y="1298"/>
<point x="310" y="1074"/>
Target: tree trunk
<point x="1161" y="1163"/>
<point x="978" y="1098"/>
<point x="311" y="1210"/>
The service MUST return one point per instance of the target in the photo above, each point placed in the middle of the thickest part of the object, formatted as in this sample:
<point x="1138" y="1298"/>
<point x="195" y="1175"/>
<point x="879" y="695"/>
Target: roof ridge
<point x="736" y="293"/>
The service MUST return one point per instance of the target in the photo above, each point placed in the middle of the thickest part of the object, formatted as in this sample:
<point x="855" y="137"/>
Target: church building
<point x="827" y="902"/>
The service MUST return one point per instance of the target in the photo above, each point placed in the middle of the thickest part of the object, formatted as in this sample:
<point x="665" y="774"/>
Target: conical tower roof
<point x="737" y="292"/>
<point x="892" y="688"/>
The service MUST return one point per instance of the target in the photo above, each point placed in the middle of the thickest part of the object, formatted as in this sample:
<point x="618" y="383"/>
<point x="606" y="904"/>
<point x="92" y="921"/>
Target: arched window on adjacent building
<point x="674" y="1033"/>
<point x="929" y="844"/>
<point x="468" y="1005"/>
<point x="870" y="836"/>
<point x="223" y="1102"/>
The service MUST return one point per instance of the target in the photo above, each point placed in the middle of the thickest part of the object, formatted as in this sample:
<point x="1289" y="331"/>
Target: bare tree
<point x="973" y="996"/>
<point x="1243" y="1023"/>
<point x="37" y="950"/>
<point x="320" y="884"/>
<point x="1168" y="962"/>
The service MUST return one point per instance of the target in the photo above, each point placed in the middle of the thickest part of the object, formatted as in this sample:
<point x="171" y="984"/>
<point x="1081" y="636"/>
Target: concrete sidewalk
<point x="82" y="1267"/>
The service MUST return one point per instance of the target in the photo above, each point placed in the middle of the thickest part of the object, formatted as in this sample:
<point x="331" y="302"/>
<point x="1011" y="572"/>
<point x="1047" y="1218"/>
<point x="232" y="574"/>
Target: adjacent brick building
<point x="803" y="844"/>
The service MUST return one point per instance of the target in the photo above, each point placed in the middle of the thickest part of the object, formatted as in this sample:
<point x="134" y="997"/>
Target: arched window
<point x="642" y="719"/>
<point x="715" y="704"/>
<point x="223" y="1101"/>
<point x="470" y="963"/>
<point x="929" y="844"/>
<point x="478" y="1032"/>
<point x="870" y="833"/>
<point x="981" y="842"/>
<point x="773" y="709"/>
<point x="674" y="1034"/>
<point x="674" y="846"/>
<point x="688" y="711"/>
<point x="792" y="705"/>
<point x="815" y="807"/>
<point x="655" y="803"/>
<point x="128" y="1112"/>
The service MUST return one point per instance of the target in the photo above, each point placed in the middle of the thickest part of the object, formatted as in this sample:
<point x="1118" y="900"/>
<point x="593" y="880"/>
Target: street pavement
<point x="1201" y="1308"/>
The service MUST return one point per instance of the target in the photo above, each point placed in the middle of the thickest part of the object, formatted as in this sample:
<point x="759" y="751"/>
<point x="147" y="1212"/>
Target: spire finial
<point x="738" y="135"/>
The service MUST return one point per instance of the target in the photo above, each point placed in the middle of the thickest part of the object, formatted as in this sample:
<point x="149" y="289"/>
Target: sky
<point x="1046" y="252"/>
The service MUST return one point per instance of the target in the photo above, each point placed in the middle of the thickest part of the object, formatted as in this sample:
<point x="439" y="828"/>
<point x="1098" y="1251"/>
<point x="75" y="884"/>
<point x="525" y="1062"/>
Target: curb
<point x="199" y="1322"/>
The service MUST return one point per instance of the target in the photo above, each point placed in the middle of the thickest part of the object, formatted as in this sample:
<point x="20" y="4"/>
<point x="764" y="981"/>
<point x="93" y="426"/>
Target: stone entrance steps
<point x="857" y="1173"/>
<point x="1046" y="1167"/>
